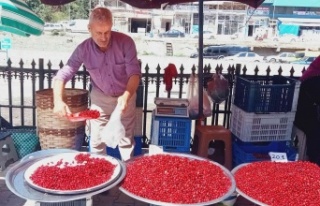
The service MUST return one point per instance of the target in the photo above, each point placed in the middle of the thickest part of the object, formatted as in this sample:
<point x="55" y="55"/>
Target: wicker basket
<point x="55" y="131"/>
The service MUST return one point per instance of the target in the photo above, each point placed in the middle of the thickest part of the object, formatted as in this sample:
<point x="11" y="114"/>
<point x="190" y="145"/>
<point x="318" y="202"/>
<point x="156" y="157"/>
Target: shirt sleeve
<point x="131" y="60"/>
<point x="70" y="69"/>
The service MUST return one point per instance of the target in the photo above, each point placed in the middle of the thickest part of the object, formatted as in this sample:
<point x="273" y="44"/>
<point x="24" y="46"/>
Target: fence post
<point x="238" y="69"/>
<point x="41" y="74"/>
<point x="145" y="106"/>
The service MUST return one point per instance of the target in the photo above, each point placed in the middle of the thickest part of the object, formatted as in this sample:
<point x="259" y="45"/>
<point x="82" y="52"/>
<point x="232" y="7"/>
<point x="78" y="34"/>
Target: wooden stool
<point x="8" y="153"/>
<point x="205" y="134"/>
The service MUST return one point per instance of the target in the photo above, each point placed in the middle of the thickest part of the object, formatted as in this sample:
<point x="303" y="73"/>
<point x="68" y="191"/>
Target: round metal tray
<point x="70" y="159"/>
<point x="45" y="153"/>
<point x="241" y="192"/>
<point x="16" y="183"/>
<point x="153" y="202"/>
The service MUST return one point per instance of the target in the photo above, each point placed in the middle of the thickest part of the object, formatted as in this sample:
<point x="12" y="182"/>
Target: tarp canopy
<point x="18" y="18"/>
<point x="157" y="4"/>
<point x="162" y="3"/>
<point x="56" y="2"/>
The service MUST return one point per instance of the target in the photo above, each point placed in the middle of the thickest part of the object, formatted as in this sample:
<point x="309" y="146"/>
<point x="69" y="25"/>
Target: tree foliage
<point x="78" y="9"/>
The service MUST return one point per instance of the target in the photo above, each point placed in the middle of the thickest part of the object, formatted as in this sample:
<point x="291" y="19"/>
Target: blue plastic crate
<point x="242" y="155"/>
<point x="263" y="94"/>
<point x="172" y="133"/>
<point x="176" y="149"/>
<point x="256" y="147"/>
<point x="137" y="149"/>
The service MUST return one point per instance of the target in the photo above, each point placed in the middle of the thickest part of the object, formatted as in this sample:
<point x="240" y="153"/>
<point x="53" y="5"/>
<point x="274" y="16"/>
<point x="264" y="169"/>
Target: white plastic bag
<point x="114" y="131"/>
<point x="218" y="88"/>
<point x="193" y="97"/>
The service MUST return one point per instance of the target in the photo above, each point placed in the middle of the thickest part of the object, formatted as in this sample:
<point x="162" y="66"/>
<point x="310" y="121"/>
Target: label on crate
<point x="155" y="149"/>
<point x="278" y="156"/>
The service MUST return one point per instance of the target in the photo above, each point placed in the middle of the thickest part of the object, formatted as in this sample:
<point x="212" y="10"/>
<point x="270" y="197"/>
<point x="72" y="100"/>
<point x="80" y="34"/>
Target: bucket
<point x="55" y="131"/>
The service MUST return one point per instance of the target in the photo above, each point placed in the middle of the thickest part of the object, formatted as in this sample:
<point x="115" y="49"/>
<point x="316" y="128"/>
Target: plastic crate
<point x="260" y="146"/>
<point x="25" y="140"/>
<point x="251" y="127"/>
<point x="172" y="133"/>
<point x="137" y="149"/>
<point x="254" y="154"/>
<point x="266" y="94"/>
<point x="176" y="149"/>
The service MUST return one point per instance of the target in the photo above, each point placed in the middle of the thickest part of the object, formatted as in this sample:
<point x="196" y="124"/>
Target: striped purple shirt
<point x="110" y="70"/>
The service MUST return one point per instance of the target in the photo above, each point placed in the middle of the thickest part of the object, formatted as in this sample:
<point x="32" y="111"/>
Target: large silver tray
<point x="241" y="192"/>
<point x="16" y="183"/>
<point x="153" y="202"/>
<point x="68" y="157"/>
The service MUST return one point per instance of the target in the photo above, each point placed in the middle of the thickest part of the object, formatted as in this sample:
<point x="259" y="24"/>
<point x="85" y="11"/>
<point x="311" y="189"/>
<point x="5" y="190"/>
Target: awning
<point x="297" y="3"/>
<point x="300" y="22"/>
<point x="18" y="18"/>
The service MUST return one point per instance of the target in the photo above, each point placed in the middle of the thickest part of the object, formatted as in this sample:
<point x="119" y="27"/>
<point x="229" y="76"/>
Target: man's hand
<point x="123" y="101"/>
<point x="131" y="88"/>
<point x="61" y="108"/>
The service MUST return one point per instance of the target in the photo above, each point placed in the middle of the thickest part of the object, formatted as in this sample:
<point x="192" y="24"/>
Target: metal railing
<point x="19" y="84"/>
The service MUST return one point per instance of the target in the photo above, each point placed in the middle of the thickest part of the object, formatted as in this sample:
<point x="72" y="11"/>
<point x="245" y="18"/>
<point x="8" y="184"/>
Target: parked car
<point x="53" y="27"/>
<point x="206" y="35"/>
<point x="78" y="26"/>
<point x="300" y="54"/>
<point x="221" y="51"/>
<point x="172" y="33"/>
<point x="305" y="60"/>
<point x="246" y="56"/>
<point x="283" y="57"/>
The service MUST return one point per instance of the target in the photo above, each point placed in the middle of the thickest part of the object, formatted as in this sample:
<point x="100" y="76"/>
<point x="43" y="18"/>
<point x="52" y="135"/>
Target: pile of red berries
<point x="280" y="184"/>
<point x="88" y="172"/>
<point x="175" y="179"/>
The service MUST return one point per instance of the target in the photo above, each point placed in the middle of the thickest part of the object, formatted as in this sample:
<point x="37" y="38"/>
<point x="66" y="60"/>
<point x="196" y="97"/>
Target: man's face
<point x="100" y="33"/>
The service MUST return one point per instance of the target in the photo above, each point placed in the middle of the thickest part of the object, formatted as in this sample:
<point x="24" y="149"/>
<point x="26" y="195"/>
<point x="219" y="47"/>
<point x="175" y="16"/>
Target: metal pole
<point x="69" y="12"/>
<point x="274" y="8"/>
<point x="200" y="60"/>
<point x="216" y="26"/>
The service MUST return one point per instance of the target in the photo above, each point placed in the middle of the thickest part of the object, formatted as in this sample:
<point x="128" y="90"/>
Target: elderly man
<point x="111" y="59"/>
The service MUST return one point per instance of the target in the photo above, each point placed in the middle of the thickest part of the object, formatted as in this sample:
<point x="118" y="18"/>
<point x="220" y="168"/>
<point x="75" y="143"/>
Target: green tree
<point x="78" y="9"/>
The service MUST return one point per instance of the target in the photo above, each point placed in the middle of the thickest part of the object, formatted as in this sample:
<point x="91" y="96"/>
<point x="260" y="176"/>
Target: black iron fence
<point x="19" y="84"/>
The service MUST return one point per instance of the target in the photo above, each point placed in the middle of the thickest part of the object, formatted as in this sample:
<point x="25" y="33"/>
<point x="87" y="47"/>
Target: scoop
<point x="83" y="115"/>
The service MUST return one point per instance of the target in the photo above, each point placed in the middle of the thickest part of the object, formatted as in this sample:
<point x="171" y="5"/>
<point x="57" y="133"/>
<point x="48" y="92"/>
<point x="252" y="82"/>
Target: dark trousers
<point x="313" y="145"/>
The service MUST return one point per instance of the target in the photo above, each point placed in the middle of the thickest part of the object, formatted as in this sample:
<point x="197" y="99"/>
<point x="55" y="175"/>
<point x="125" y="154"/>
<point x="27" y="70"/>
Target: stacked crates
<point x="172" y="133"/>
<point x="263" y="113"/>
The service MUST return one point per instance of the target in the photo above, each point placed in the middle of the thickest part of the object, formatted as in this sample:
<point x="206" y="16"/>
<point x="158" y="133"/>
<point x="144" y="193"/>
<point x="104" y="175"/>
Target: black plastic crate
<point x="263" y="94"/>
